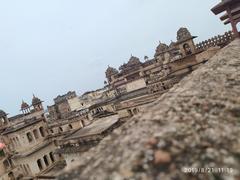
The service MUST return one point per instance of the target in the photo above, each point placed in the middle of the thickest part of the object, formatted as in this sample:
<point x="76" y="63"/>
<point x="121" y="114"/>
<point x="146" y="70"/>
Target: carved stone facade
<point x="144" y="81"/>
<point x="176" y="50"/>
<point x="27" y="151"/>
<point x="61" y="108"/>
<point x="133" y="64"/>
<point x="183" y="34"/>
<point x="110" y="72"/>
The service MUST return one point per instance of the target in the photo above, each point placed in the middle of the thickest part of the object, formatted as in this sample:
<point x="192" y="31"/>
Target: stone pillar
<point x="38" y="131"/>
<point x="18" y="141"/>
<point x="53" y="159"/>
<point x="43" y="163"/>
<point x="233" y="23"/>
<point x="49" y="160"/>
<point x="81" y="124"/>
<point x="34" y="140"/>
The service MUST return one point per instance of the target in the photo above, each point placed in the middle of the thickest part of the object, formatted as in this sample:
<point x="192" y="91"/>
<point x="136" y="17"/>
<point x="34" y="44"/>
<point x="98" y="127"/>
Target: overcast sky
<point x="48" y="47"/>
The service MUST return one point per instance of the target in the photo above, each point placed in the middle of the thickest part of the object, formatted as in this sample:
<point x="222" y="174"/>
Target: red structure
<point x="232" y="15"/>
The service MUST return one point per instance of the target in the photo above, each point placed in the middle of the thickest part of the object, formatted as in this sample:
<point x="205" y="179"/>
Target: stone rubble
<point x="195" y="124"/>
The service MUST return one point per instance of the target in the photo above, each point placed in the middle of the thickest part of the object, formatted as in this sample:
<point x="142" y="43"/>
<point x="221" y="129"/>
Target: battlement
<point x="220" y="40"/>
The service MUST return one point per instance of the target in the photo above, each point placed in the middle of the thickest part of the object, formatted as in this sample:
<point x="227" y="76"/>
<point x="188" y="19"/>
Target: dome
<point x="2" y="113"/>
<point x="161" y="48"/>
<point x="172" y="45"/>
<point x="24" y="105"/>
<point x="134" y="60"/>
<point x="36" y="100"/>
<point x="183" y="34"/>
<point x="111" y="71"/>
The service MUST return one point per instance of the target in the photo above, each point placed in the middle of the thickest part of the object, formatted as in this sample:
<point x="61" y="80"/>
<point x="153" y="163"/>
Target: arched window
<point x="39" y="107"/>
<point x="29" y="136"/>
<point x="70" y="126"/>
<point x="187" y="49"/>
<point x="135" y="111"/>
<point x="130" y="112"/>
<point x="35" y="132"/>
<point x="18" y="142"/>
<point x="51" y="156"/>
<point x="45" y="158"/>
<point x="42" y="132"/>
<point x="40" y="166"/>
<point x="83" y="123"/>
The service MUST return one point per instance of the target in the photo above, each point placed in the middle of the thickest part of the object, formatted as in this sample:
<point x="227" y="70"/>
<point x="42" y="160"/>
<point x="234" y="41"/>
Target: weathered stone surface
<point x="197" y="123"/>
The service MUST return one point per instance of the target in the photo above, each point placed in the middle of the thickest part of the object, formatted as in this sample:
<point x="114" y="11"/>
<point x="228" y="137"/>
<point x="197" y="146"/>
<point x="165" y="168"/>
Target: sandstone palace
<point x="39" y="142"/>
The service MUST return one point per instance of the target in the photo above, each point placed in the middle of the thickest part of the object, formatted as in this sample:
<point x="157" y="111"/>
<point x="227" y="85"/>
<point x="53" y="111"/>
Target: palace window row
<point x="15" y="141"/>
<point x="70" y="127"/>
<point x="133" y="112"/>
<point x="95" y="111"/>
<point x="35" y="134"/>
<point x="61" y="129"/>
<point x="46" y="161"/>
